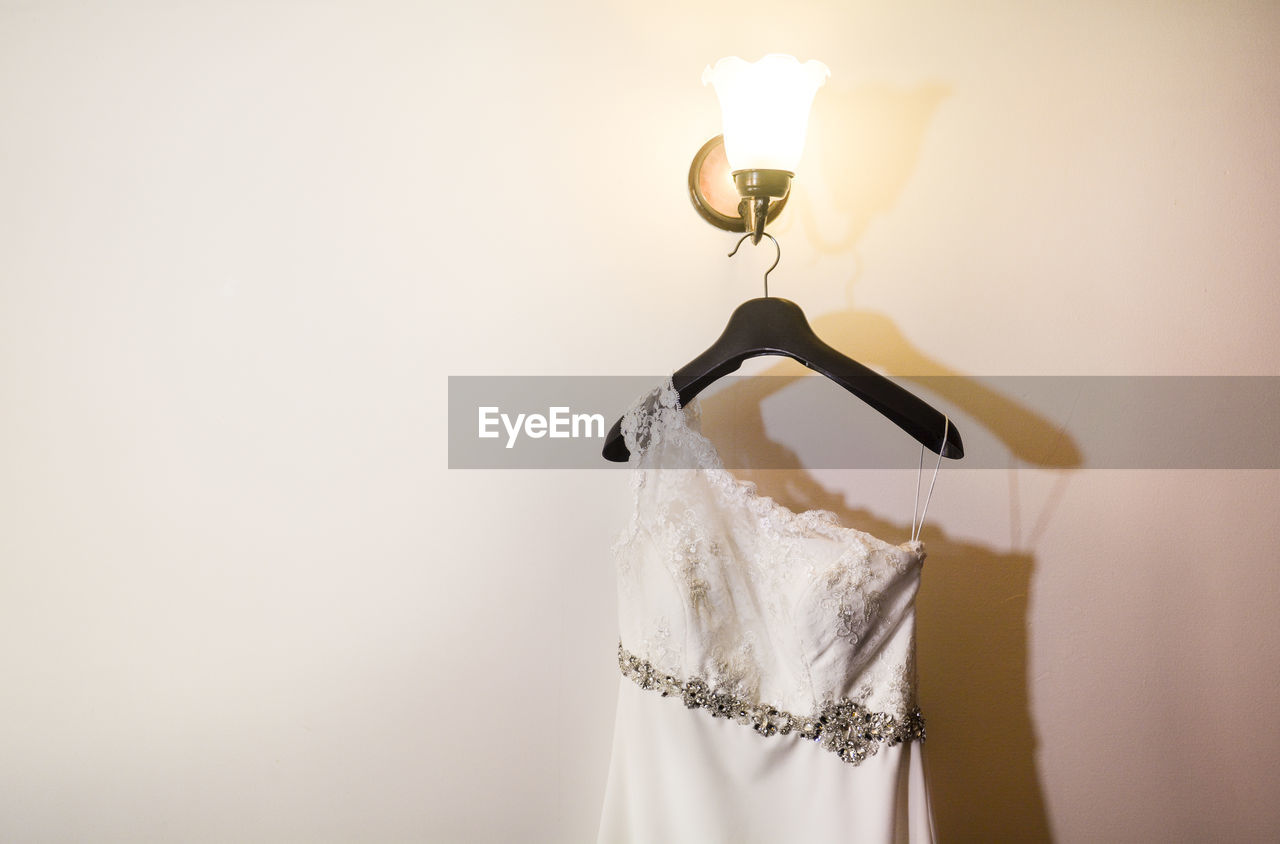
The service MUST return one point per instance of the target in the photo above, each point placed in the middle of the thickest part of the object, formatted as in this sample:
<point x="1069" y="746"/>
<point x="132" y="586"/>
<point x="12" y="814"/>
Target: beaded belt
<point x="844" y="727"/>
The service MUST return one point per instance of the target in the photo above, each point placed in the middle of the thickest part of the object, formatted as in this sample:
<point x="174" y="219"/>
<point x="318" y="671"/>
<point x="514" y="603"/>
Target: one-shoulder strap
<point x="917" y="528"/>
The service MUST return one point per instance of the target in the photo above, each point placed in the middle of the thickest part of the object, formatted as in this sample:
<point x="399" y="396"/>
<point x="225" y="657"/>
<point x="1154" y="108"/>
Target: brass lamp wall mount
<point x="765" y="109"/>
<point x="715" y="193"/>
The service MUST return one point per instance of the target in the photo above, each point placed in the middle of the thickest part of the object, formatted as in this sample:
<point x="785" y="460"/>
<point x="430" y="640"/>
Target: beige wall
<point x="242" y="246"/>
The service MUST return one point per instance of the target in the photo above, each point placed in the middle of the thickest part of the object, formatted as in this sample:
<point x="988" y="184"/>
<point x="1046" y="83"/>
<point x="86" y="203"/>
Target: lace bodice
<point x="724" y="587"/>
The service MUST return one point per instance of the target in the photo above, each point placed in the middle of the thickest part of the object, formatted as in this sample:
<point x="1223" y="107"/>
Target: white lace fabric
<point x="719" y="582"/>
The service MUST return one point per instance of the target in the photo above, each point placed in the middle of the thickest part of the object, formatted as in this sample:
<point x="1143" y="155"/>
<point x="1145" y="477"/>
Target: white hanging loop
<point x="916" y="529"/>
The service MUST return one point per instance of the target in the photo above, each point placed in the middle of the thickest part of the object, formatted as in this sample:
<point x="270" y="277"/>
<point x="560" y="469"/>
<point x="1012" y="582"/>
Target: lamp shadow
<point x="863" y="145"/>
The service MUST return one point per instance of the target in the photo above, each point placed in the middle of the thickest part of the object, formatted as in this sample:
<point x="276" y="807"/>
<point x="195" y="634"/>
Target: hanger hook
<point x="775" y="260"/>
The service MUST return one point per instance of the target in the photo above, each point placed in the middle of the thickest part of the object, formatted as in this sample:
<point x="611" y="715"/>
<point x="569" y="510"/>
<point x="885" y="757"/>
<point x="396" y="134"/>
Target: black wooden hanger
<point x="773" y="326"/>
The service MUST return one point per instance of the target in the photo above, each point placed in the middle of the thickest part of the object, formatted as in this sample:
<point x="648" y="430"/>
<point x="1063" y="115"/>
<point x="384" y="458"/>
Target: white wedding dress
<point x="768" y="661"/>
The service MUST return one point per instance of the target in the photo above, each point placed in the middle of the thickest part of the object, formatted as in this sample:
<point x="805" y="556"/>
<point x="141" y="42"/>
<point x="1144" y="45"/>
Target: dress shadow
<point x="971" y="623"/>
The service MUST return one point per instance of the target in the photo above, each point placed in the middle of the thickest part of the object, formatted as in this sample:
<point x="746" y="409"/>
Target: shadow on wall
<point x="972" y="631"/>
<point x="973" y="603"/>
<point x="971" y="618"/>
<point x="865" y="143"/>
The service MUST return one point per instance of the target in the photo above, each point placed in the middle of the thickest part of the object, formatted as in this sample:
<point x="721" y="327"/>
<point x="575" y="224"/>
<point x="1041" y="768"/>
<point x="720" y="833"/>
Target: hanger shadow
<point x="1029" y="436"/>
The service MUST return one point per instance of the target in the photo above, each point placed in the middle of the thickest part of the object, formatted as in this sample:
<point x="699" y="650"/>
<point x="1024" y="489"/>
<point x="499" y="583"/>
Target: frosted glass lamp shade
<point x="765" y="108"/>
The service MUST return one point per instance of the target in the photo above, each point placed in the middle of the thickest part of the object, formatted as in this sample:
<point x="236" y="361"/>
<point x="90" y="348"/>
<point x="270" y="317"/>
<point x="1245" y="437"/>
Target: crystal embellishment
<point x="845" y="727"/>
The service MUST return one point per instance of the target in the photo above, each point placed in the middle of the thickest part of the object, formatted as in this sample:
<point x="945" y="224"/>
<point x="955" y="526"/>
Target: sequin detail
<point x="845" y="727"/>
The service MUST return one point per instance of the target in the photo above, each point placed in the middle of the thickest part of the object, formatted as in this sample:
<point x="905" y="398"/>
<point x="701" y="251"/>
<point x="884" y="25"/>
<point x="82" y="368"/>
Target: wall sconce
<point x="764" y="108"/>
